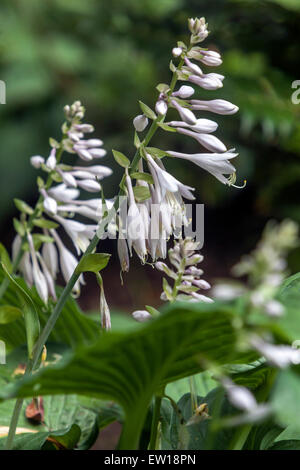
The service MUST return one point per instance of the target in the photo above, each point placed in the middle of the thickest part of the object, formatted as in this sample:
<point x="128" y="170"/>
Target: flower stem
<point x="75" y="276"/>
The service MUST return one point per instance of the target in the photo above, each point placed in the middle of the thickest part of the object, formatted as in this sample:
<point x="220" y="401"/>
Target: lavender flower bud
<point x="184" y="92"/>
<point x="50" y="205"/>
<point x="176" y="51"/>
<point x="141" y="316"/>
<point x="140" y="122"/>
<point x="185" y="114"/>
<point x="36" y="161"/>
<point x="161" y="107"/>
<point x="217" y="106"/>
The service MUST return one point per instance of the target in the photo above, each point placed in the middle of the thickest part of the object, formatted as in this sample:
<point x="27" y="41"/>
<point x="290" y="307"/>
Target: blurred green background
<point x="109" y="54"/>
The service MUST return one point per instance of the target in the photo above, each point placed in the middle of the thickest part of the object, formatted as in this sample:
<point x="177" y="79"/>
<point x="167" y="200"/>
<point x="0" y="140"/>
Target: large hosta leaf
<point x="289" y="295"/>
<point x="130" y="368"/>
<point x="60" y="412"/>
<point x="72" y="327"/>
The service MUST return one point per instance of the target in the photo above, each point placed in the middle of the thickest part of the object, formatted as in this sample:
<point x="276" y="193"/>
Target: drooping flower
<point x="215" y="163"/>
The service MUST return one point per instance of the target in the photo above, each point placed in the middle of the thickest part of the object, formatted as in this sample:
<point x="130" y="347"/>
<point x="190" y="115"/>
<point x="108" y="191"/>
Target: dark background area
<point x="110" y="54"/>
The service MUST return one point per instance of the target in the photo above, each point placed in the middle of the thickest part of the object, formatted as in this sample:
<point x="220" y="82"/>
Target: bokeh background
<point x="109" y="54"/>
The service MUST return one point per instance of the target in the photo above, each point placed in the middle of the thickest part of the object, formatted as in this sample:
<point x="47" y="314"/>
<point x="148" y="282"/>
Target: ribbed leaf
<point x="72" y="327"/>
<point x="130" y="368"/>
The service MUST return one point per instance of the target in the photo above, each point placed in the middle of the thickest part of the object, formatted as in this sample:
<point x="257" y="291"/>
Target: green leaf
<point x="285" y="399"/>
<point x="60" y="411"/>
<point x="203" y="383"/>
<point x="142" y="176"/>
<point x="23" y="207"/>
<point x="172" y="67"/>
<point x="147" y="111"/>
<point x="141" y="193"/>
<point x="289" y="295"/>
<point x="156" y="152"/>
<point x="4" y="258"/>
<point x="9" y="314"/>
<point x="72" y="327"/>
<point x="130" y="368"/>
<point x="38" y="240"/>
<point x="163" y="88"/>
<point x="286" y="445"/>
<point x="93" y="262"/>
<point x="44" y="223"/>
<point x="121" y="159"/>
<point x="191" y="430"/>
<point x="31" y="317"/>
<point x="61" y="439"/>
<point x="137" y="142"/>
<point x="19" y="227"/>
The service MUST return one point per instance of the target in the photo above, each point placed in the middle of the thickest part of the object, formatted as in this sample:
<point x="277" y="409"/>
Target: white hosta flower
<point x="206" y="82"/>
<point x="79" y="209"/>
<point x="123" y="254"/>
<point x="89" y="143"/>
<point x="135" y="228"/>
<point x="68" y="262"/>
<point x="100" y="171"/>
<point x="198" y="28"/>
<point x="39" y="279"/>
<point x="211" y="58"/>
<point x="48" y="277"/>
<point x="227" y="291"/>
<point x="184" y="92"/>
<point x="202" y="284"/>
<point x="204" y="126"/>
<point x="216" y="164"/>
<point x="218" y="106"/>
<point x="240" y="397"/>
<point x="83" y="153"/>
<point x="141" y="316"/>
<point x="167" y="182"/>
<point x="50" y="205"/>
<point x="37" y="161"/>
<point x="63" y="194"/>
<point x="49" y="254"/>
<point x="161" y="251"/>
<point x="177" y="51"/>
<point x="161" y="107"/>
<point x="210" y="142"/>
<point x="140" y="122"/>
<point x="25" y="267"/>
<point x="85" y="128"/>
<point x="273" y="308"/>
<point x="97" y="153"/>
<point x="79" y="233"/>
<point x="186" y="114"/>
<point x="280" y="356"/>
<point x="51" y="161"/>
<point x="68" y="178"/>
<point x="193" y="68"/>
<point x="202" y="298"/>
<point x="92" y="186"/>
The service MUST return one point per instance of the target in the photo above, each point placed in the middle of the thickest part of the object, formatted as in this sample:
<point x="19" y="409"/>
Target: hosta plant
<point x="211" y="369"/>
